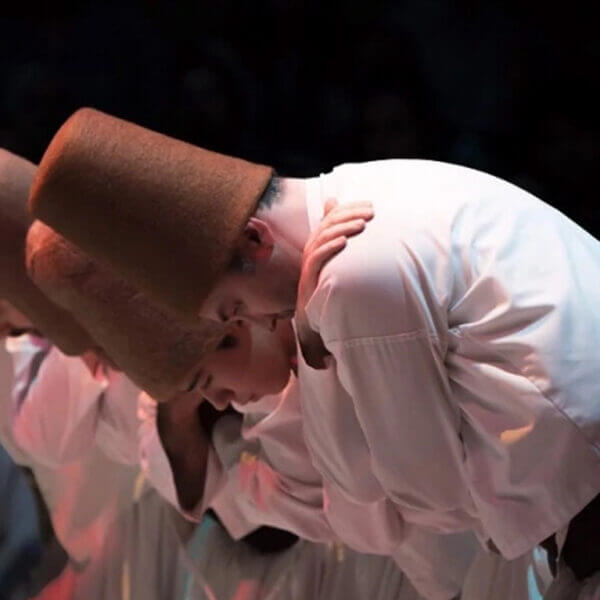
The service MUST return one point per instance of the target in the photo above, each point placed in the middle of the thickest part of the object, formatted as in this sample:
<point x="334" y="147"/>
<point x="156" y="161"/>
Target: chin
<point x="220" y="406"/>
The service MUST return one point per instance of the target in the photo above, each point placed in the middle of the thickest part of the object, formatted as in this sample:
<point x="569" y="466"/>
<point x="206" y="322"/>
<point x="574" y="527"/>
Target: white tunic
<point x="257" y="474"/>
<point x="464" y="382"/>
<point x="307" y="570"/>
<point x="84" y="496"/>
<point x="61" y="411"/>
<point x="261" y="474"/>
<point x="141" y="558"/>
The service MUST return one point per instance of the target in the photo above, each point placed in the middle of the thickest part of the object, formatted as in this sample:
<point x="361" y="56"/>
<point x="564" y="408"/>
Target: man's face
<point x="265" y="290"/>
<point x="261" y="297"/>
<point x="11" y="319"/>
<point x="249" y="363"/>
<point x="247" y="297"/>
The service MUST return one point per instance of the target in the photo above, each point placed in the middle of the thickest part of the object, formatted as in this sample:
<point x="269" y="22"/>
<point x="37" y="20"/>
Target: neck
<point x="288" y="216"/>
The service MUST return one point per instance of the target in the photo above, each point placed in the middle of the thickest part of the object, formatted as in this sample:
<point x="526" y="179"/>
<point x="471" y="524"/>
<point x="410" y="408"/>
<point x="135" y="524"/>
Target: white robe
<point x="258" y="495"/>
<point x="84" y="496"/>
<point x="307" y="570"/>
<point x="141" y="558"/>
<point x="270" y="442"/>
<point x="65" y="420"/>
<point x="464" y="329"/>
<point x="262" y="474"/>
<point x="61" y="411"/>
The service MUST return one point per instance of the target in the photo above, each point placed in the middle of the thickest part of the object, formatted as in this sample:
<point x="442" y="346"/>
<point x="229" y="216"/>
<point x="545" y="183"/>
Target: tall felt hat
<point x="162" y="212"/>
<point x="16" y="175"/>
<point x="158" y="350"/>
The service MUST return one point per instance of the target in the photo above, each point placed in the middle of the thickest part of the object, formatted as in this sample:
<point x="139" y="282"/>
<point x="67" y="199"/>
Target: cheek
<point x="260" y="296"/>
<point x="231" y="377"/>
<point x="275" y="373"/>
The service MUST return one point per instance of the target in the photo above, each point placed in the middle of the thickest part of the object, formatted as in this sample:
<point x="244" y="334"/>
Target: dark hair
<point x="272" y="193"/>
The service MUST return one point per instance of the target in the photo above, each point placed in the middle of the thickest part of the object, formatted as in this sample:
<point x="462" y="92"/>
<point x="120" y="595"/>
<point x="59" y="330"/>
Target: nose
<point x="220" y="399"/>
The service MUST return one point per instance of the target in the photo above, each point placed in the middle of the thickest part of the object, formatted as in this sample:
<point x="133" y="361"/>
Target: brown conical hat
<point x="16" y="175"/>
<point x="157" y="350"/>
<point x="162" y="212"/>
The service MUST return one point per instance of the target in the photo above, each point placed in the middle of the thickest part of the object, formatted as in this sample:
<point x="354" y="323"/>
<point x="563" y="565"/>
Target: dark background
<point x="507" y="87"/>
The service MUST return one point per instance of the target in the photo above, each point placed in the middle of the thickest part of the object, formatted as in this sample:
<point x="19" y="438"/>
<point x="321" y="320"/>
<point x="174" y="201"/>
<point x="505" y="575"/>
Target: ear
<point x="256" y="242"/>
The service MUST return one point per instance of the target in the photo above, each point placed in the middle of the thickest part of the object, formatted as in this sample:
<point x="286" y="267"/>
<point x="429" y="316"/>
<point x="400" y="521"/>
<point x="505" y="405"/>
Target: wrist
<point x="313" y="349"/>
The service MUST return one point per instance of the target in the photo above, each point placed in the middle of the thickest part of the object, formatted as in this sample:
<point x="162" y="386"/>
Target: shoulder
<point x="377" y="286"/>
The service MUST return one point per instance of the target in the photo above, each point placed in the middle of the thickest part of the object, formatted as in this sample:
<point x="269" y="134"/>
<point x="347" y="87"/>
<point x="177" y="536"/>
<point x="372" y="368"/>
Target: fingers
<point x="331" y="204"/>
<point x="318" y="258"/>
<point x="344" y="229"/>
<point x="359" y="208"/>
<point x="337" y="225"/>
<point x="347" y="213"/>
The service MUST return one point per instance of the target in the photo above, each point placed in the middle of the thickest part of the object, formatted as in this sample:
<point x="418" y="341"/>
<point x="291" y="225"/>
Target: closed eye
<point x="194" y="383"/>
<point x="228" y="315"/>
<point x="207" y="383"/>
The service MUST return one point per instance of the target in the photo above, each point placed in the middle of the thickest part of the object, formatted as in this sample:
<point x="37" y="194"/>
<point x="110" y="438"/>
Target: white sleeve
<point x="385" y="331"/>
<point x="410" y="426"/>
<point x="55" y="403"/>
<point x="157" y="469"/>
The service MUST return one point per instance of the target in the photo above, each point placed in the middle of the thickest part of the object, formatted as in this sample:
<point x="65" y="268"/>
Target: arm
<point x="400" y="394"/>
<point x="385" y="330"/>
